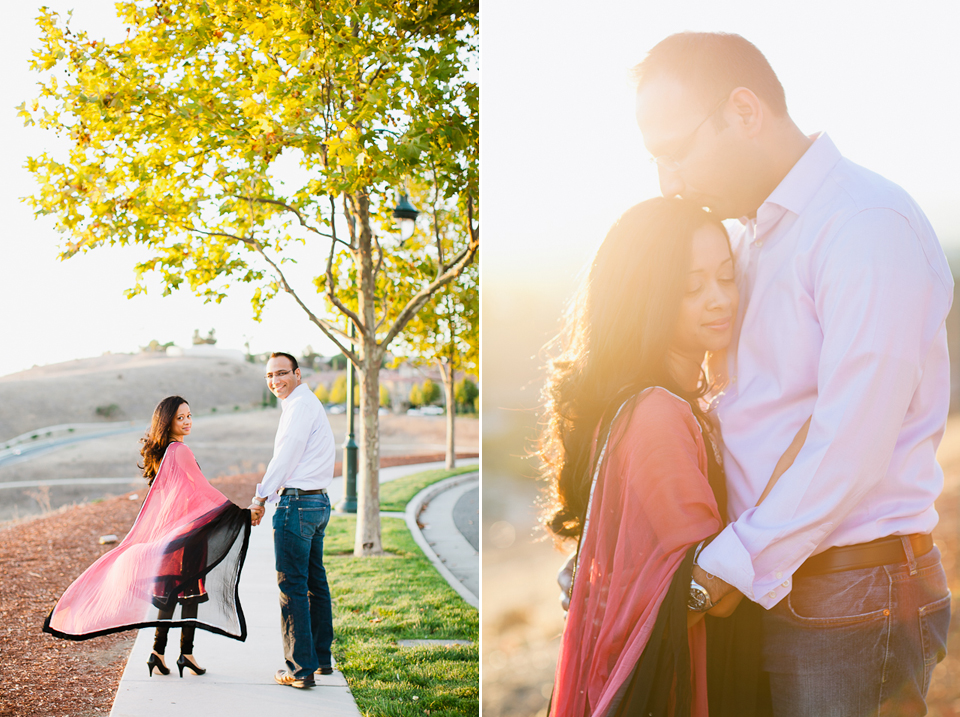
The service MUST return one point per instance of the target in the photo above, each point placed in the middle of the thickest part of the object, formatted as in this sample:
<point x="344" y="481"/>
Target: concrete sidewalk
<point x="239" y="679"/>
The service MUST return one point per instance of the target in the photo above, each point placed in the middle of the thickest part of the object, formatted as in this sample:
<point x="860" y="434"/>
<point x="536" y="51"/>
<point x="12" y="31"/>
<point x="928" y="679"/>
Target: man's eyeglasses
<point x="669" y="161"/>
<point x="277" y="374"/>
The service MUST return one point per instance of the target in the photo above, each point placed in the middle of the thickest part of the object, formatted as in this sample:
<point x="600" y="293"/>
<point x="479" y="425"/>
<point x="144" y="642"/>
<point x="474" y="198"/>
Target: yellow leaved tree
<point x="175" y="133"/>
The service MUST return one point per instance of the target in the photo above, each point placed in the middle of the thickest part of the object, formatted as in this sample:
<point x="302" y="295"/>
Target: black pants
<point x="737" y="686"/>
<point x="188" y="611"/>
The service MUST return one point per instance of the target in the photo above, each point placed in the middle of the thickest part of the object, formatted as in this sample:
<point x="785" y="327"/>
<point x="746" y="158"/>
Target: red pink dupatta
<point x="186" y="547"/>
<point x="651" y="502"/>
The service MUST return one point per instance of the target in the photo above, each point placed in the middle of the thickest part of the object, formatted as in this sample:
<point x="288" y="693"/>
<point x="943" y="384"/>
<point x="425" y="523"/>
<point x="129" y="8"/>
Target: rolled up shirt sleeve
<point x="880" y="305"/>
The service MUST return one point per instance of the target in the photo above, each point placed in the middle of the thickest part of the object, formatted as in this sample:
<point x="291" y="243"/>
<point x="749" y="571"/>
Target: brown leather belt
<point x="865" y="555"/>
<point x="300" y="491"/>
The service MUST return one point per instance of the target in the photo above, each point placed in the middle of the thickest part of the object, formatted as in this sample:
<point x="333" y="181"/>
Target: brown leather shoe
<point x="285" y="677"/>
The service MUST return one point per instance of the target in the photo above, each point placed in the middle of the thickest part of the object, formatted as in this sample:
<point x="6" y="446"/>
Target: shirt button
<point x="758" y="243"/>
<point x="786" y="584"/>
<point x="779" y="574"/>
<point x="733" y="380"/>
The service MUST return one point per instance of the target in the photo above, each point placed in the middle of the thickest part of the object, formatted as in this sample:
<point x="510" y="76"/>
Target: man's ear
<point x="296" y="372"/>
<point x="749" y="111"/>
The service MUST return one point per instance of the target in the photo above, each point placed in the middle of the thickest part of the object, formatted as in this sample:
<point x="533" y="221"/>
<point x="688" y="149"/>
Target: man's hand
<point x="716" y="587"/>
<point x="256" y="513"/>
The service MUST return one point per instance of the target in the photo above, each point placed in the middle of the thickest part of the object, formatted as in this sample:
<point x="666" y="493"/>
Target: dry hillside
<point x="133" y="384"/>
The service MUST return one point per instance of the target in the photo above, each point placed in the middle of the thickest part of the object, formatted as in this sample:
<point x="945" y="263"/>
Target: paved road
<point x="23" y="448"/>
<point x="466" y="516"/>
<point x="442" y="540"/>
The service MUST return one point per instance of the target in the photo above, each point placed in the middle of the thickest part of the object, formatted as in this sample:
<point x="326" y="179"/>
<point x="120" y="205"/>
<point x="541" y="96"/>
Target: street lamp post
<point x="406" y="215"/>
<point x="349" y="502"/>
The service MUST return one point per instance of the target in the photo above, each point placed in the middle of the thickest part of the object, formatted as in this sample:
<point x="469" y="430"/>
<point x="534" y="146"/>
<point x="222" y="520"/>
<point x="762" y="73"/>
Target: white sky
<point x="562" y="157"/>
<point x="56" y="311"/>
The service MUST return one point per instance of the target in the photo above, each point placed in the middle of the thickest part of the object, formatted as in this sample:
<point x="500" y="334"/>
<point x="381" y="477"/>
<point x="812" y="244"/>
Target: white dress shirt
<point x="845" y="290"/>
<point x="303" y="451"/>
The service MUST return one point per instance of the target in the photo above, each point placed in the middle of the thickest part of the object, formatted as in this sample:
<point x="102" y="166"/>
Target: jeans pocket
<point x="839" y="599"/>
<point x="934" y="622"/>
<point x="313" y="518"/>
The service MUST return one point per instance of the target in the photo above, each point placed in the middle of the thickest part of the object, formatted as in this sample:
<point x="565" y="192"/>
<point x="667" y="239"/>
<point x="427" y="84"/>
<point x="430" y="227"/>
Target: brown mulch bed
<point x="40" y="675"/>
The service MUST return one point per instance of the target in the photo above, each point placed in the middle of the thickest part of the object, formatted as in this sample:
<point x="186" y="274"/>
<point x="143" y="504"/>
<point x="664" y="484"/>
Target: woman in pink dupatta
<point x="633" y="460"/>
<point x="185" y="551"/>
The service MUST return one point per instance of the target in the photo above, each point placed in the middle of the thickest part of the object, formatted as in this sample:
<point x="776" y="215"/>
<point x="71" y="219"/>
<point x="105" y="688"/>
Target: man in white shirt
<point x="844" y="293"/>
<point x="298" y="476"/>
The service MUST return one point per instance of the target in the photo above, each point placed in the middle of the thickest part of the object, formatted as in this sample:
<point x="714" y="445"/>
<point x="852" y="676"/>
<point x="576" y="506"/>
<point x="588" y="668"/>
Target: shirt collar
<point x="802" y="181"/>
<point x="807" y="176"/>
<point x="293" y="394"/>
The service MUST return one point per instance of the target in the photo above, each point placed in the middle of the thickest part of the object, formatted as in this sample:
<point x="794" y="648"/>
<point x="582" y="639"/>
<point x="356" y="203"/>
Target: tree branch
<point x="422" y="296"/>
<point x="351" y="221"/>
<point x="386" y="313"/>
<point x="376" y="269"/>
<point x="474" y="234"/>
<point x="459" y="257"/>
<point x="294" y="210"/>
<point x="436" y="221"/>
<point x="329" y="273"/>
<point x="332" y="332"/>
<point x="245" y="240"/>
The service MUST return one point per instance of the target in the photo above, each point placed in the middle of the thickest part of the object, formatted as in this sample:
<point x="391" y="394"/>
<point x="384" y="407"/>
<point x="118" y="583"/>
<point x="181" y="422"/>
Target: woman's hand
<point x="256" y="513"/>
<point x="565" y="580"/>
<point x="724" y="608"/>
<point x="728" y="603"/>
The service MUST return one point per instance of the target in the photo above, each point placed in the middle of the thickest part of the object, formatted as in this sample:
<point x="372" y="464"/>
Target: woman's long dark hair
<point x="157" y="438"/>
<point x="613" y="344"/>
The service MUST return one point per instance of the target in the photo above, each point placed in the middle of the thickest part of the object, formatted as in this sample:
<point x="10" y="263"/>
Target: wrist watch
<point x="699" y="599"/>
<point x="259" y="501"/>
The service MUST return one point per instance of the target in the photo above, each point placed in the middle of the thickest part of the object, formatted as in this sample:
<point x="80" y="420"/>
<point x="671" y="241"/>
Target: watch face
<point x="699" y="598"/>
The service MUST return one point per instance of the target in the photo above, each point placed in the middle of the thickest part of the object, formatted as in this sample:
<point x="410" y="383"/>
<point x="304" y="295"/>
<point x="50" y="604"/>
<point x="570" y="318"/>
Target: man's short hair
<point x="712" y="64"/>
<point x="281" y="354"/>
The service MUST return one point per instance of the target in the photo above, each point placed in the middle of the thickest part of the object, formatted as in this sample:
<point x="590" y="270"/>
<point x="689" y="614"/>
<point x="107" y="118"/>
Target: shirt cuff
<point x="728" y="558"/>
<point x="271" y="498"/>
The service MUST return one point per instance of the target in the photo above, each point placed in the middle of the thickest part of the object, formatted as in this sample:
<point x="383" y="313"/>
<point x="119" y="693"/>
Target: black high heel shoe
<point x="155" y="661"/>
<point x="184" y="662"/>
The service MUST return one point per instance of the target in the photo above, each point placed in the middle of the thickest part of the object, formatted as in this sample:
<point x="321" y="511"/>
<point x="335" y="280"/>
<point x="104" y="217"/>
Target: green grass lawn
<point x="378" y="601"/>
<point x="395" y="495"/>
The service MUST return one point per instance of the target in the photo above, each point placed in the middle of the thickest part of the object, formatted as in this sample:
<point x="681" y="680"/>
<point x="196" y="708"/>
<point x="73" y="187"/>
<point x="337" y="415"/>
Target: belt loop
<point x="908" y="550"/>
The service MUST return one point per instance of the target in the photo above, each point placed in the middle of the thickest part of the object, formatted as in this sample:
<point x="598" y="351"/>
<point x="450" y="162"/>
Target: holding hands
<point x="256" y="512"/>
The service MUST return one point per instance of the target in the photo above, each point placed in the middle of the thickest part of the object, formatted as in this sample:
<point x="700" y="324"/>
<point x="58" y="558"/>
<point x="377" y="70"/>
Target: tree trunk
<point x="446" y="372"/>
<point x="367" y="540"/>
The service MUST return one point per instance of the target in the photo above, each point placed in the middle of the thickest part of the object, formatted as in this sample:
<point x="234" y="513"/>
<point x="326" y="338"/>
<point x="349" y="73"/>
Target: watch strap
<point x="699" y="598"/>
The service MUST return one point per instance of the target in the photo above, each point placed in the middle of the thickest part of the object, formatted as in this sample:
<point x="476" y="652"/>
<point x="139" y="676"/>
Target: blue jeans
<point x="858" y="642"/>
<point x="306" y="613"/>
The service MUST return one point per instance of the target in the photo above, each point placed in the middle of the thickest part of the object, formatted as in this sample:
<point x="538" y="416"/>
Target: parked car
<point x="336" y="408"/>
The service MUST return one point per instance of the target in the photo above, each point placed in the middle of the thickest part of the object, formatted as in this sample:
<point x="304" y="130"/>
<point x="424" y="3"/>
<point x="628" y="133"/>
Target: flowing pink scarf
<point x="186" y="546"/>
<point x="652" y="502"/>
